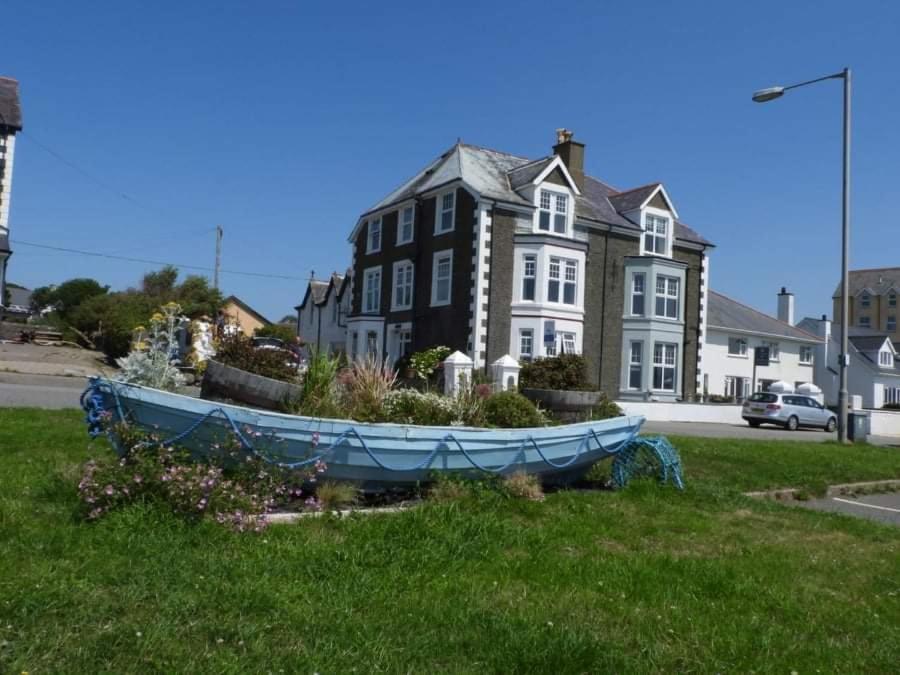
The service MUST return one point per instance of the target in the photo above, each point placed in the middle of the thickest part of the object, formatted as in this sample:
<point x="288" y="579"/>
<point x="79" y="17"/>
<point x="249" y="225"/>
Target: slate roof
<point x="318" y="289"/>
<point x="496" y="175"/>
<point x="867" y="343"/>
<point x="723" y="312"/>
<point x="10" y="108"/>
<point x="878" y="280"/>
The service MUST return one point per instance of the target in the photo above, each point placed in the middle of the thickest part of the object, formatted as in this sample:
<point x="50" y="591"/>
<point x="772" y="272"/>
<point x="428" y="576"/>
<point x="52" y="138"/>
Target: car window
<point x="760" y="397"/>
<point x="793" y="400"/>
<point x="813" y="403"/>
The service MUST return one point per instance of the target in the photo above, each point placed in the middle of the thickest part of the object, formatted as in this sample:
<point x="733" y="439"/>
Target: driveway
<point x="711" y="430"/>
<point x="884" y="508"/>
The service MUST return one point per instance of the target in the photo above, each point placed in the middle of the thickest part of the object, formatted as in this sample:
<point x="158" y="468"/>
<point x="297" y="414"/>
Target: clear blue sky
<point x="282" y="121"/>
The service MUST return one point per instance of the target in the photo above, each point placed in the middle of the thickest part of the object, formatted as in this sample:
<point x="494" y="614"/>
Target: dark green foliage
<point x="891" y="406"/>
<point x="283" y="331"/>
<point x="511" y="410"/>
<point x="563" y="372"/>
<point x="68" y="295"/>
<point x="238" y="352"/>
<point x="110" y="318"/>
<point x="605" y="409"/>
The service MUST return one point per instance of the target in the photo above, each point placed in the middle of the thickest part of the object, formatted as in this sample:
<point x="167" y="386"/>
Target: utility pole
<point x="218" y="256"/>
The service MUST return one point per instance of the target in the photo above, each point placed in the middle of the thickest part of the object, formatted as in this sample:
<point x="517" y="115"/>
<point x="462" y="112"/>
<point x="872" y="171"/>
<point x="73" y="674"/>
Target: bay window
<point x="529" y="276"/>
<point x="567" y="342"/>
<point x="664" y="366"/>
<point x="635" y="365"/>
<point x="637" y="293"/>
<point x="526" y="344"/>
<point x="567" y="278"/>
<point x="666" y="297"/>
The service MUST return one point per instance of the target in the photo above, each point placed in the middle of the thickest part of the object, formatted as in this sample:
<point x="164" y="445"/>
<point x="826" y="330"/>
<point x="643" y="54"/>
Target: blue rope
<point x="92" y="402"/>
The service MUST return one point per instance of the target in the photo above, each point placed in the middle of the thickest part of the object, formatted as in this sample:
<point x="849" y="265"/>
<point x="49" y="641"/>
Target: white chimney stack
<point x="786" y="306"/>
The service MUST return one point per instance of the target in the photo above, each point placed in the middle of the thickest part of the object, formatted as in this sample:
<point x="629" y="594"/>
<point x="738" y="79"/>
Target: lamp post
<point x="765" y="95"/>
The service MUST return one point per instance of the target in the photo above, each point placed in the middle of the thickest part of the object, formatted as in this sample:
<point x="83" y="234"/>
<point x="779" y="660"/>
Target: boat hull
<point x="371" y="455"/>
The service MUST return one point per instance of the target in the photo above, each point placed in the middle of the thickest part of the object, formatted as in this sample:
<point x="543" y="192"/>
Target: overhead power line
<point x="110" y="256"/>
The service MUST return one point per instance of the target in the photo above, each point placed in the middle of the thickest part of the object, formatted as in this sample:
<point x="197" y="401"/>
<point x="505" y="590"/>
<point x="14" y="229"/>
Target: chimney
<point x="786" y="306"/>
<point x="572" y="154"/>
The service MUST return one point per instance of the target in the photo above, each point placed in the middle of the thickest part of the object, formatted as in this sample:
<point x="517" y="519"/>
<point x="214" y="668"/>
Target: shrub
<point x="155" y="365"/>
<point x="449" y="488"/>
<point x="237" y="350"/>
<point x="891" y="406"/>
<point x="425" y="362"/>
<point x="332" y="496"/>
<point x="563" y="372"/>
<point x="509" y="409"/>
<point x="318" y="397"/>
<point x="606" y="409"/>
<point x="408" y="406"/>
<point x="368" y="383"/>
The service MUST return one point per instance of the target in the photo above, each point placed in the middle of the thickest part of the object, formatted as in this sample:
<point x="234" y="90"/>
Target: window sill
<point x="404" y="308"/>
<point x="443" y="303"/>
<point x="738" y="356"/>
<point x="439" y="233"/>
<point x="404" y="243"/>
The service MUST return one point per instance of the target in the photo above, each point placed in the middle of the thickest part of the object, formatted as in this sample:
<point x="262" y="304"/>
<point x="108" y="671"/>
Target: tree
<point x="68" y="295"/>
<point x="283" y="331"/>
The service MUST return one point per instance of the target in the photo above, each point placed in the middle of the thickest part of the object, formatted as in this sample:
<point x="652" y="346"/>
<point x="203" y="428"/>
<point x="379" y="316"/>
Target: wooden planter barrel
<point x="567" y="405"/>
<point x="221" y="381"/>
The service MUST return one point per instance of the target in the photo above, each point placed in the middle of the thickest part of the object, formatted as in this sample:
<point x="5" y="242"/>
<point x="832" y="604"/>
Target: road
<point x="884" y="508"/>
<point x="39" y="391"/>
<point x="710" y="430"/>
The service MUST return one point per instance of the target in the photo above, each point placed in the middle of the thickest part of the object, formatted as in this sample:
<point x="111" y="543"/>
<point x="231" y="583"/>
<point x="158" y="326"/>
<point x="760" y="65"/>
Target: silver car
<point x="790" y="411"/>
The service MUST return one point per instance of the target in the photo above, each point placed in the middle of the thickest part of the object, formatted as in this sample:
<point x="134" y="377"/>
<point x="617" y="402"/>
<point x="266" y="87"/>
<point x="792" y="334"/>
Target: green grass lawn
<point x="642" y="580"/>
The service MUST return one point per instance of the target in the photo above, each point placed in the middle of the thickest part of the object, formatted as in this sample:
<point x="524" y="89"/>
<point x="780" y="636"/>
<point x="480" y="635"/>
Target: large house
<point x="735" y="331"/>
<point x="874" y="371"/>
<point x="238" y="313"/>
<point x="10" y="123"/>
<point x="492" y="254"/>
<point x="874" y="301"/>
<point x="322" y="315"/>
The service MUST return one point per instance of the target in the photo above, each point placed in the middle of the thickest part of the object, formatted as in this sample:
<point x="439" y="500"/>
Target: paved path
<point x="39" y="391"/>
<point x="711" y="430"/>
<point x="884" y="508"/>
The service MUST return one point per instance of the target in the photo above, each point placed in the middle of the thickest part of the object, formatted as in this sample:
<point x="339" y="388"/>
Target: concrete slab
<point x="884" y="508"/>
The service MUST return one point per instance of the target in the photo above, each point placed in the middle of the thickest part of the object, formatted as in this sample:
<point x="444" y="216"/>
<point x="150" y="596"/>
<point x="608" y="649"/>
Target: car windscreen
<point x="760" y="397"/>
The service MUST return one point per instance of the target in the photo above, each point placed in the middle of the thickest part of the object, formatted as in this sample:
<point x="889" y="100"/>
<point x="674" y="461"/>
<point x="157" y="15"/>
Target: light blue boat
<point x="373" y="455"/>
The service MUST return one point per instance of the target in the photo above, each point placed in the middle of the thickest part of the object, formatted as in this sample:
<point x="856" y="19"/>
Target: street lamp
<point x="770" y="94"/>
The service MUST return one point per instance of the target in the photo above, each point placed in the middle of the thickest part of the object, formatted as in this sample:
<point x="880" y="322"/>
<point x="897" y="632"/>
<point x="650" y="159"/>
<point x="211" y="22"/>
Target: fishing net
<point x="647" y="457"/>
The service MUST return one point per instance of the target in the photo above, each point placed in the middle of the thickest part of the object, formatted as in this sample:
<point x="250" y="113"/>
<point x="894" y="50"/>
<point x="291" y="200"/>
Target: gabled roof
<point x="497" y="176"/>
<point x="727" y="314"/>
<point x="10" y="107"/>
<point x="868" y="343"/>
<point x="320" y="289"/>
<point x="877" y="281"/>
<point x="233" y="299"/>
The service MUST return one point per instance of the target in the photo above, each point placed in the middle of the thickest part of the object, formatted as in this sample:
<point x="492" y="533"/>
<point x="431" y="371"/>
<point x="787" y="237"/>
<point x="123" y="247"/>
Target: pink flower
<point x="138" y="478"/>
<point x="109" y="490"/>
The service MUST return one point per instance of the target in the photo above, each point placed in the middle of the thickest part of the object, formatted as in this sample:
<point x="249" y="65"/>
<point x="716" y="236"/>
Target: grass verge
<point x="642" y="580"/>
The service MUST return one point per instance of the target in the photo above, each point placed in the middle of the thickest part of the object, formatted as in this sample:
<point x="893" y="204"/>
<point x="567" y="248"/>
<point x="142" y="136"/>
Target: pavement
<point x="63" y="361"/>
<point x="711" y="430"/>
<point x="39" y="391"/>
<point x="884" y="508"/>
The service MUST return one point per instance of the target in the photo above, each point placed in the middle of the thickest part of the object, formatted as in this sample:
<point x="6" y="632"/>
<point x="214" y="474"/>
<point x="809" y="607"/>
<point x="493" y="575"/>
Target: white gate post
<point x="505" y="373"/>
<point x="457" y="367"/>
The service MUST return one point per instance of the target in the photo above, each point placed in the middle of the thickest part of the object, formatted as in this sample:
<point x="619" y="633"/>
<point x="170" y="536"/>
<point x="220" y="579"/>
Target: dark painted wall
<point x="694" y="260"/>
<point x="500" y="295"/>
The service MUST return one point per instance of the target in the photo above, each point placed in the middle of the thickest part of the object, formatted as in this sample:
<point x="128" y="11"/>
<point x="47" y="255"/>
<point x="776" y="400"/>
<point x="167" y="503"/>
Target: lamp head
<point x="769" y="94"/>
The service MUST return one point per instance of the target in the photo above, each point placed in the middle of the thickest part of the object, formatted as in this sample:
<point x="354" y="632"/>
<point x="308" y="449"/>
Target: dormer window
<point x="885" y="359"/>
<point x="553" y="212"/>
<point x="864" y="300"/>
<point x="656" y="234"/>
<point x="374" y="240"/>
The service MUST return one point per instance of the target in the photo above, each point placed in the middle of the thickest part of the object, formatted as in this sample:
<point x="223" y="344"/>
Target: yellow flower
<point x="157" y="318"/>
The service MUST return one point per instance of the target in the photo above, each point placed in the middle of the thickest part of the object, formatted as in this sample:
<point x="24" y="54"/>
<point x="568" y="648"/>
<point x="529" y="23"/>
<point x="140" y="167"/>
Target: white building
<point x="735" y="330"/>
<point x="322" y="316"/>
<point x="874" y="372"/>
<point x="10" y="123"/>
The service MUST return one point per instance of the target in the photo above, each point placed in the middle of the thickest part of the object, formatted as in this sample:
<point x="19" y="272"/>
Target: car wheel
<point x="753" y="423"/>
<point x="832" y="423"/>
<point x="792" y="423"/>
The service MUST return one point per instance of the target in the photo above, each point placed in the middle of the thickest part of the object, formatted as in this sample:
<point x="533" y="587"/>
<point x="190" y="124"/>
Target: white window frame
<point x="774" y="350"/>
<point x="404" y="337"/>
<point x="526" y="334"/>
<point x="401" y="267"/>
<point x="742" y="347"/>
<point x="655" y="220"/>
<point x="368" y="274"/>
<point x="642" y="293"/>
<point x="667" y="297"/>
<point x="551" y="207"/>
<point x="568" y="342"/>
<point x="563" y="267"/>
<point x="531" y="258"/>
<point x="807" y="351"/>
<point x="885" y="359"/>
<point x="892" y="394"/>
<point x="663" y="364"/>
<point x="370" y="248"/>
<point x="401" y="212"/>
<point x="440" y="210"/>
<point x="439" y="255"/>
<point x="636" y="364"/>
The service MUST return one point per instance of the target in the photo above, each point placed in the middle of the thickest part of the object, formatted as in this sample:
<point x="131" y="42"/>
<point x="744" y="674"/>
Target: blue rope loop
<point x="92" y="402"/>
<point x="645" y="456"/>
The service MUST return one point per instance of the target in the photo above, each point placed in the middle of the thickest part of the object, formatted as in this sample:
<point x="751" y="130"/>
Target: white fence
<point x="684" y="412"/>
<point x="884" y="422"/>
